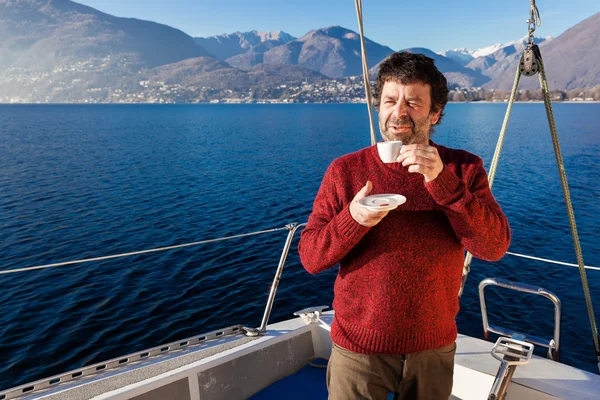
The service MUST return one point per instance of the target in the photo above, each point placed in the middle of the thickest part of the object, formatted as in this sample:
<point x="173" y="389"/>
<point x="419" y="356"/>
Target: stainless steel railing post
<point x="292" y="231"/>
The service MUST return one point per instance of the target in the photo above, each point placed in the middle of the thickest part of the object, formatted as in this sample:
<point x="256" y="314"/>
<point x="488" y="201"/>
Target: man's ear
<point x="435" y="116"/>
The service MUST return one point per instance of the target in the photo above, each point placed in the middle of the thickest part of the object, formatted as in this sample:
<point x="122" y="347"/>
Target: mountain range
<point x="225" y="46"/>
<point x="334" y="52"/>
<point x="59" y="50"/>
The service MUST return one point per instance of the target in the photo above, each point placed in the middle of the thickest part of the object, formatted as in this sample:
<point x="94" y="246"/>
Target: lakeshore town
<point x="62" y="86"/>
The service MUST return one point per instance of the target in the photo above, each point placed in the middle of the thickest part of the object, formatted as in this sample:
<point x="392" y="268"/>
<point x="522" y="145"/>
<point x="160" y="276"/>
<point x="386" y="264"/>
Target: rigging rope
<point x="565" y="187"/>
<point x="365" y="68"/>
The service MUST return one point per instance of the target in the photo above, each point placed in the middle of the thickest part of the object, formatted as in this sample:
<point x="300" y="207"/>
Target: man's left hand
<point x="422" y="159"/>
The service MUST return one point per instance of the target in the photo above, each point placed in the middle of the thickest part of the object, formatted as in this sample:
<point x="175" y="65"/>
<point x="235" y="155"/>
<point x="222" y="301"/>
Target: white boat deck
<point x="236" y="367"/>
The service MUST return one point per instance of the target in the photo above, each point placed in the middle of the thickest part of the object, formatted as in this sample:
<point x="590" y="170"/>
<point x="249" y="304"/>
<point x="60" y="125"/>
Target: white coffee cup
<point x="389" y="151"/>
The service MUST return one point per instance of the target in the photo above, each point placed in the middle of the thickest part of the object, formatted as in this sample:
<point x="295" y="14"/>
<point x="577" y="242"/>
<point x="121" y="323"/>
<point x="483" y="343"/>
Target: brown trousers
<point x="423" y="375"/>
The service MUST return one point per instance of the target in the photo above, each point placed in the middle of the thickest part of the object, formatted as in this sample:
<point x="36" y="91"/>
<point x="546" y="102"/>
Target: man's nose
<point x="400" y="109"/>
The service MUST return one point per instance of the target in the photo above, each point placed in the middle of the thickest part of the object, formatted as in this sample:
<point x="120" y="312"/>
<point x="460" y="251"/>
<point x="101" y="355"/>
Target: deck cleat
<point x="312" y="314"/>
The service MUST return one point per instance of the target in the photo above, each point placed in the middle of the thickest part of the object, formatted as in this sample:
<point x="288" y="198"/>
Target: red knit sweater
<point x="397" y="287"/>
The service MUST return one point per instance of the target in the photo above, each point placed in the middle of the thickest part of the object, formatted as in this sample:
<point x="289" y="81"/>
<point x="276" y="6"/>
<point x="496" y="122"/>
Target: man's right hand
<point x="360" y="214"/>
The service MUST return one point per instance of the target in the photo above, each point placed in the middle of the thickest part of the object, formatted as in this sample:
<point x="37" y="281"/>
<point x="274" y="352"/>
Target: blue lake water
<point x="83" y="181"/>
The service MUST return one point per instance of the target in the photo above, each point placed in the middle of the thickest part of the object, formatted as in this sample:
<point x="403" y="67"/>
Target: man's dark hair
<point x="405" y="68"/>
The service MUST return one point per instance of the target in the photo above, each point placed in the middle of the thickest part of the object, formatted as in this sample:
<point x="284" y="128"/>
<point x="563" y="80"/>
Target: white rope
<point x="365" y="67"/>
<point x="62" y="264"/>
<point x="551" y="261"/>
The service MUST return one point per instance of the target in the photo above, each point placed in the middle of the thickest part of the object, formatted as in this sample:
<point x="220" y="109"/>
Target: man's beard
<point x="418" y="134"/>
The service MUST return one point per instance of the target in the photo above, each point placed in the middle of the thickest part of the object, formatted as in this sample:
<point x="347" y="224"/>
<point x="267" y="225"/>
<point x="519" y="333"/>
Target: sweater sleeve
<point x="474" y="214"/>
<point x="331" y="232"/>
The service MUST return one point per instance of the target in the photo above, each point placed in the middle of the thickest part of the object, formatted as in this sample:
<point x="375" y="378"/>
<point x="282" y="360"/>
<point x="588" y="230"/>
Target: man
<point x="396" y="293"/>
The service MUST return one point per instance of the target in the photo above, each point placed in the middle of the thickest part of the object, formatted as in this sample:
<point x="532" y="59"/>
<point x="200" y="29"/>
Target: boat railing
<point x="552" y="345"/>
<point x="164" y="348"/>
<point x="291" y="228"/>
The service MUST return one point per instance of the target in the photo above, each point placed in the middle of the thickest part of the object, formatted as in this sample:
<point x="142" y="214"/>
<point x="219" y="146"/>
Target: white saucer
<point x="382" y="202"/>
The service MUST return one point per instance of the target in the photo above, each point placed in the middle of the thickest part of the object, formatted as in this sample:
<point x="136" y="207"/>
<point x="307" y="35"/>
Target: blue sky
<point x="435" y="24"/>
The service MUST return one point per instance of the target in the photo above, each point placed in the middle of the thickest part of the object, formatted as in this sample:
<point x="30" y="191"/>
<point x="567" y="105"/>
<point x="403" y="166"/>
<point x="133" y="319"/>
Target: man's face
<point x="404" y="112"/>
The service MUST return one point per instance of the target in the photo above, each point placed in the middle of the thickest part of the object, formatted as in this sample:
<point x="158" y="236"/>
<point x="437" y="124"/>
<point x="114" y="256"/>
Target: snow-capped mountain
<point x="229" y="45"/>
<point x="486" y="51"/>
<point x="464" y="56"/>
<point x="461" y="56"/>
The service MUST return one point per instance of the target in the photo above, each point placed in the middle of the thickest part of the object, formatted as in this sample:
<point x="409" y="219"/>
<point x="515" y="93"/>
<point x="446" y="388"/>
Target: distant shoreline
<point x="277" y="103"/>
